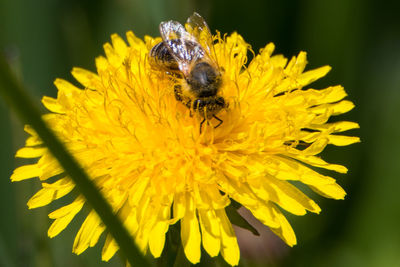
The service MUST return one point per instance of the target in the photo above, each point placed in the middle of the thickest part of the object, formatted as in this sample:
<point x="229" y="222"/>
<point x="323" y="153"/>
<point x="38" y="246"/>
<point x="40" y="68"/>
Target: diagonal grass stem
<point x="16" y="97"/>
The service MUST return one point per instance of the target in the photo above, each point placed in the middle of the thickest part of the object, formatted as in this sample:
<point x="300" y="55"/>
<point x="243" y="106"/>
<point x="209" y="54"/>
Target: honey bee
<point x="186" y="58"/>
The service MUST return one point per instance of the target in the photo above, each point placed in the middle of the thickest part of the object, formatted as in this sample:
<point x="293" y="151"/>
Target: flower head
<point x="144" y="151"/>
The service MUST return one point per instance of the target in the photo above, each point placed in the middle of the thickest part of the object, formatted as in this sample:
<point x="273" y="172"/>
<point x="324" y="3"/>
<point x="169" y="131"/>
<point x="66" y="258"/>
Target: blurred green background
<point x="44" y="39"/>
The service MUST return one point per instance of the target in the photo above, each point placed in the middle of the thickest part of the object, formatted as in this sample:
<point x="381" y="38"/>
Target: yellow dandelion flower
<point x="144" y="151"/>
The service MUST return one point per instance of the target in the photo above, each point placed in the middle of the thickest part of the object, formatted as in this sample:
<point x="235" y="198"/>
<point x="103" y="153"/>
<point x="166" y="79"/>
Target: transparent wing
<point x="173" y="30"/>
<point x="182" y="45"/>
<point x="198" y="27"/>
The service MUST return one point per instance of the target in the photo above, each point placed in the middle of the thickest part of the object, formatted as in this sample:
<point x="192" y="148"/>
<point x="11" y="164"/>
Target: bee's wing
<point x="198" y="27"/>
<point x="180" y="44"/>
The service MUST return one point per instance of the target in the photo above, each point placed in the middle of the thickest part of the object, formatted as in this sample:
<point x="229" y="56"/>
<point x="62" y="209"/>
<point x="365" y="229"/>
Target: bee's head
<point x="209" y="106"/>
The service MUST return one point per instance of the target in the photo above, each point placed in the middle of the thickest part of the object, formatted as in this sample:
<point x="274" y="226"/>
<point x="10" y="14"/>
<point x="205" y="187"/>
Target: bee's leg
<point x="178" y="92"/>
<point x="218" y="119"/>
<point x="188" y="104"/>
<point x="201" y="124"/>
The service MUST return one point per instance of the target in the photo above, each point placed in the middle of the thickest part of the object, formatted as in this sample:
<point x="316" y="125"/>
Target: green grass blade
<point x="20" y="102"/>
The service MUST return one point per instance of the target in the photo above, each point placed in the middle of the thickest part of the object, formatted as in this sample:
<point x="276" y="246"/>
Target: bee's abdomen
<point x="162" y="57"/>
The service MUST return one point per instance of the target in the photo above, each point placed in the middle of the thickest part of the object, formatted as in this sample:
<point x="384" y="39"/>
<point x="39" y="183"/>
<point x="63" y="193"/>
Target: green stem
<point x="28" y="113"/>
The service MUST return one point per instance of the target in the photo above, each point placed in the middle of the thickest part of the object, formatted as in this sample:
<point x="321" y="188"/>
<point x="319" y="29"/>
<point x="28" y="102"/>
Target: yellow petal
<point x="279" y="61"/>
<point x="50" y="167"/>
<point x="289" y="169"/>
<point x="297" y="64"/>
<point x="133" y="40"/>
<point x="285" y="231"/>
<point x="157" y="234"/>
<point x="113" y="58"/>
<point x="229" y="246"/>
<point x="137" y="190"/>
<point x="87" y="78"/>
<point x="53" y="105"/>
<point x="179" y="207"/>
<point x="289" y="197"/>
<point x="241" y="192"/>
<point x="316" y="147"/>
<point x="145" y="213"/>
<point x="30" y="152"/>
<point x="66" y="89"/>
<point x="89" y="233"/>
<point x="299" y="80"/>
<point x="64" y="216"/>
<point x="209" y="197"/>
<point x="29" y="130"/>
<point x="318" y="162"/>
<point x="312" y="75"/>
<point x="210" y="232"/>
<point x="157" y="238"/>
<point x="335" y="109"/>
<point x="51" y="192"/>
<point x="331" y="94"/>
<point x="336" y="127"/>
<point x="315" y="97"/>
<point x="330" y="190"/>
<point x="119" y="45"/>
<point x="190" y="232"/>
<point x="264" y="213"/>
<point x="262" y="58"/>
<point x="33" y="141"/>
<point x="342" y="140"/>
<point x="26" y="172"/>
<point x="101" y="65"/>
<point x="109" y="249"/>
